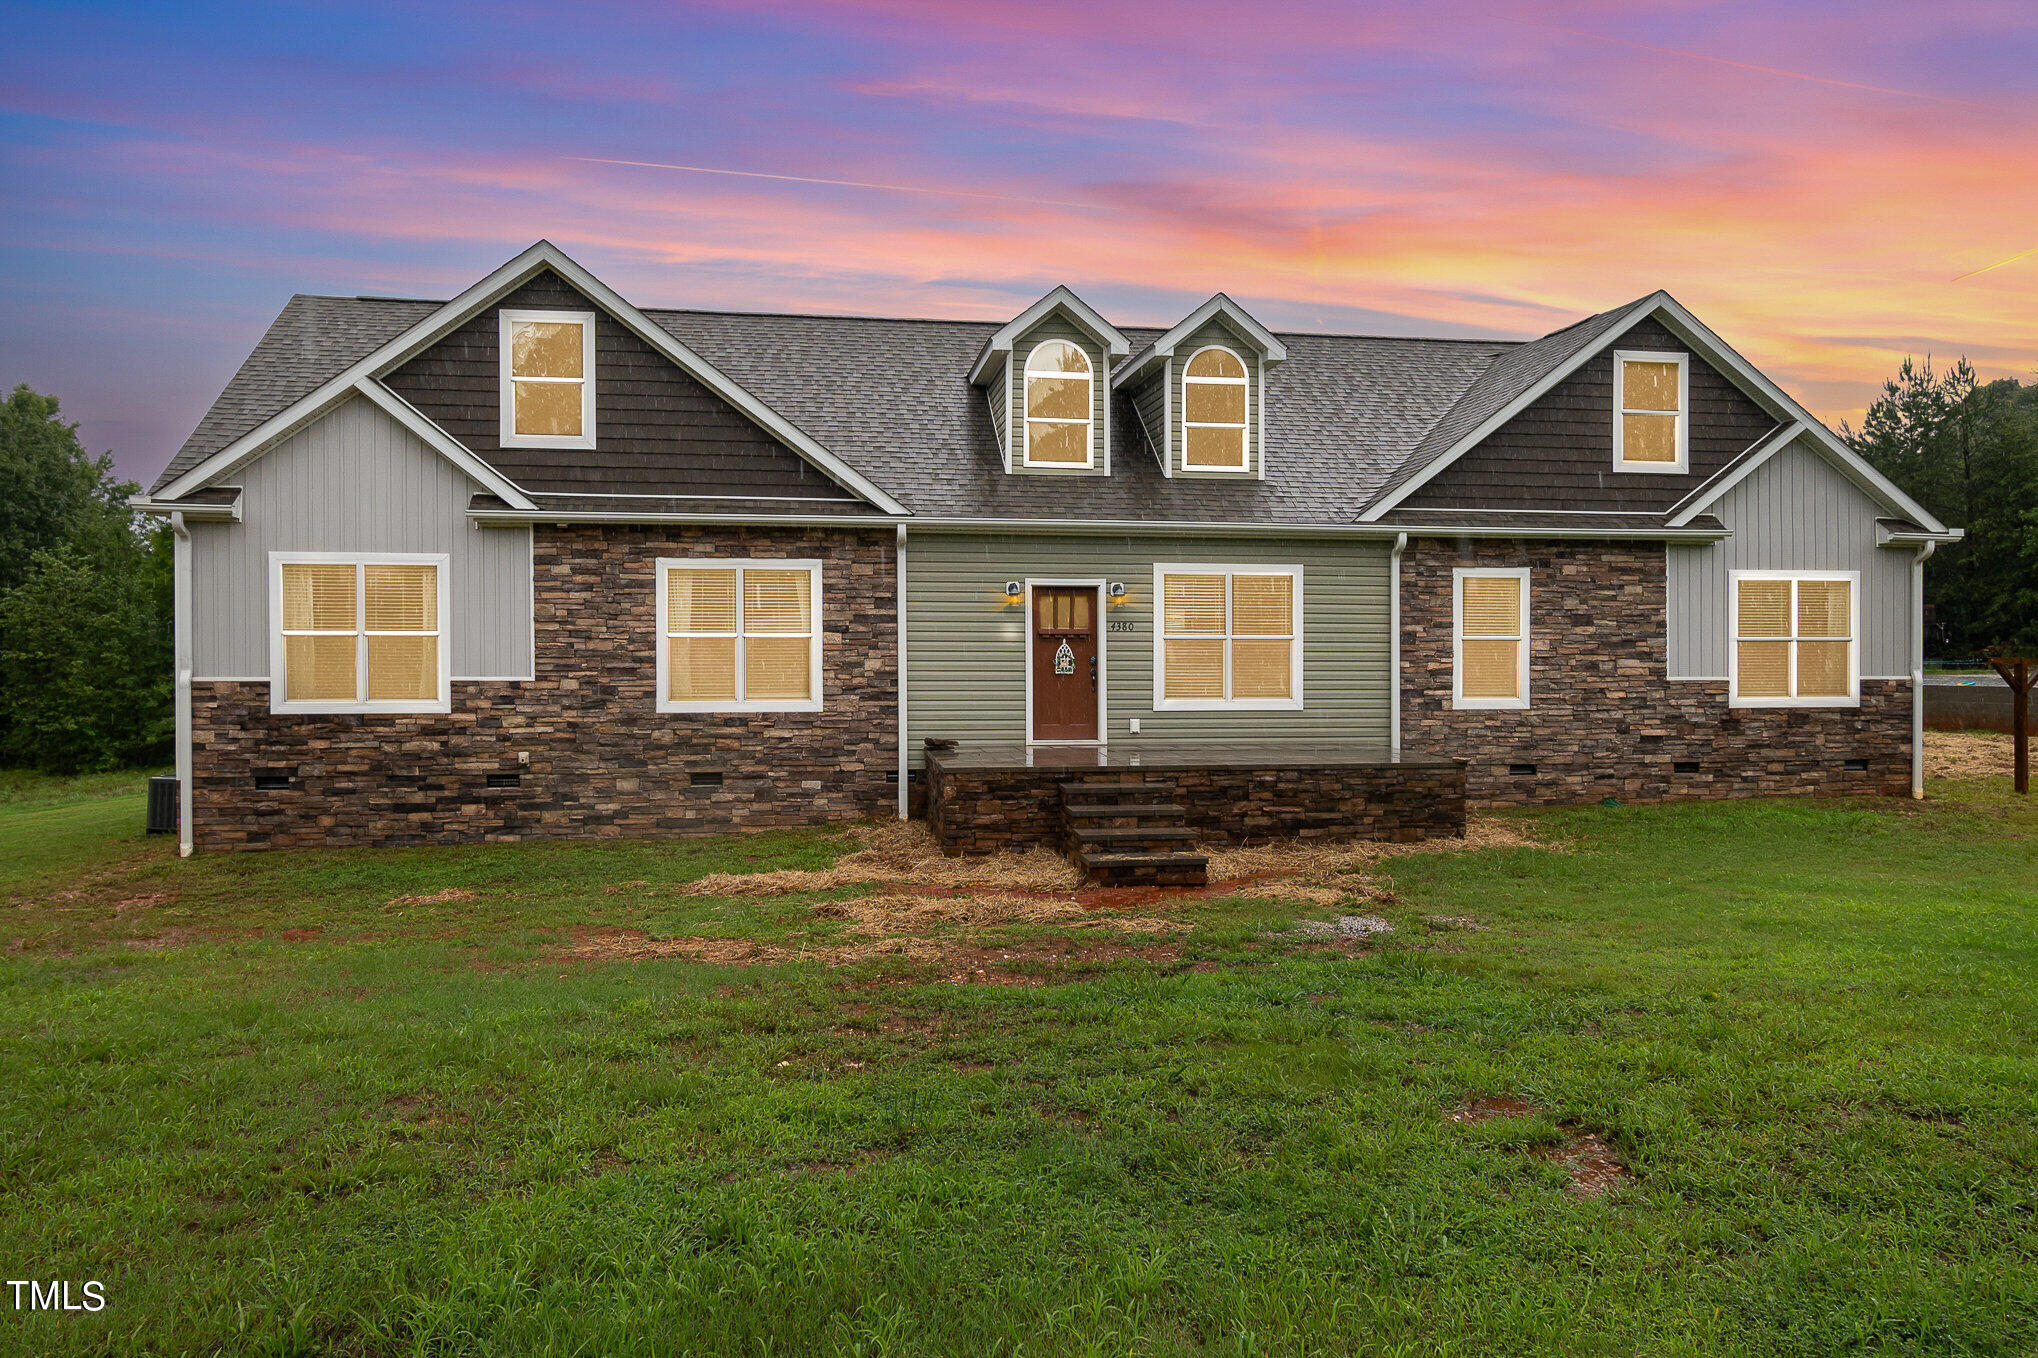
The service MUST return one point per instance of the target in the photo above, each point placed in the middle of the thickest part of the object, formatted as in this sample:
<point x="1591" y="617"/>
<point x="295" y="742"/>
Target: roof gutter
<point x="188" y="513"/>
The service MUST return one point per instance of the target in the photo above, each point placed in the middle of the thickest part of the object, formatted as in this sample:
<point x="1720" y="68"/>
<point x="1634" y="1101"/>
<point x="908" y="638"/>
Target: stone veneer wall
<point x="603" y="760"/>
<point x="1604" y="720"/>
<point x="979" y="811"/>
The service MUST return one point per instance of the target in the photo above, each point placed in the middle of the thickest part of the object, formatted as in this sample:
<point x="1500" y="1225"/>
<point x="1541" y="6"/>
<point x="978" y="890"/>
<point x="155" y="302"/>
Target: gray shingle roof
<point x="1348" y="416"/>
<point x="315" y="338"/>
<point x="1511" y="374"/>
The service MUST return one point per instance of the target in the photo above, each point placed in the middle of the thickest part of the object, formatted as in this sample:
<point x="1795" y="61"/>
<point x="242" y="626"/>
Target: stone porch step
<point x="1087" y="791"/>
<point x="1133" y="838"/>
<point x="1121" y="810"/>
<point x="1145" y="869"/>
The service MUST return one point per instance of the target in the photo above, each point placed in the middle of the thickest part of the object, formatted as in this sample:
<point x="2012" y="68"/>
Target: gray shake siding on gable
<point x="1795" y="512"/>
<point x="357" y="481"/>
<point x="1558" y="453"/>
<point x="966" y="647"/>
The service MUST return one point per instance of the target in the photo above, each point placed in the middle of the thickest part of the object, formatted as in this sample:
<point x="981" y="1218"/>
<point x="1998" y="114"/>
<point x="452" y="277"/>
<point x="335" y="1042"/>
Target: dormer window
<point x="1650" y="401"/>
<point x="547" y="379"/>
<point x="1214" y="406"/>
<point x="1059" y="406"/>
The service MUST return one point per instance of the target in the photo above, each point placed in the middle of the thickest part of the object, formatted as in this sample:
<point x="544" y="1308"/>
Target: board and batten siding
<point x="1794" y="513"/>
<point x="357" y="481"/>
<point x="966" y="647"/>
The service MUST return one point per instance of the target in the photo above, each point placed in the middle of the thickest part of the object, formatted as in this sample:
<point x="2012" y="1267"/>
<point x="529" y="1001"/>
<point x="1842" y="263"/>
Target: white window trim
<point x="508" y="436"/>
<point x="1621" y="357"/>
<point x="667" y="564"/>
<point x="279" y="674"/>
<point x="1245" y="443"/>
<point x="1734" y="579"/>
<point x="1458" y="699"/>
<point x="1163" y="703"/>
<point x="1027" y="419"/>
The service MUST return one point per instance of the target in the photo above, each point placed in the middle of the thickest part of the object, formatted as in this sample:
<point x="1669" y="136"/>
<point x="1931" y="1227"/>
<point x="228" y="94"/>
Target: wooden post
<point x="2018" y="672"/>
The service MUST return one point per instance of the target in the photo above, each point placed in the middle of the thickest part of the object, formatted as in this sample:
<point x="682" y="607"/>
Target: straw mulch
<point x="1967" y="754"/>
<point x="1327" y="874"/>
<point x="903" y="853"/>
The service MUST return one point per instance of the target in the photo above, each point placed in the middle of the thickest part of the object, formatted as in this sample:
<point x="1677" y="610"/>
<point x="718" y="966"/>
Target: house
<point x="537" y="561"/>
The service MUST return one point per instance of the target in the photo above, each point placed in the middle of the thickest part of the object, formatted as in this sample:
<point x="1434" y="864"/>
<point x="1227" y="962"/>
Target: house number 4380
<point x="1116" y="626"/>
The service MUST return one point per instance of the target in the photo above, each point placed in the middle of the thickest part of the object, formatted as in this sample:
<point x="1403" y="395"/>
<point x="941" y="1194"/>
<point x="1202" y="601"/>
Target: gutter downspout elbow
<point x="899" y="587"/>
<point x="180" y="594"/>
<point x="1394" y="644"/>
<point x="1918" y="669"/>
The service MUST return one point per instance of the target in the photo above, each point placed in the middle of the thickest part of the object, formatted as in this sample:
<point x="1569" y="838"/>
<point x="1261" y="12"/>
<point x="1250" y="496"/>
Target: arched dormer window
<point x="1059" y="406"/>
<point x="1214" y="406"/>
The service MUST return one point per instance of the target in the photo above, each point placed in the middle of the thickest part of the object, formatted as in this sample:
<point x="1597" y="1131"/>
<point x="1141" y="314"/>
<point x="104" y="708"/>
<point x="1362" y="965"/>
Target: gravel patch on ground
<point x="1344" y="926"/>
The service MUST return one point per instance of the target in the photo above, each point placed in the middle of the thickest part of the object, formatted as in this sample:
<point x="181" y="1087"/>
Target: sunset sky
<point x="1812" y="179"/>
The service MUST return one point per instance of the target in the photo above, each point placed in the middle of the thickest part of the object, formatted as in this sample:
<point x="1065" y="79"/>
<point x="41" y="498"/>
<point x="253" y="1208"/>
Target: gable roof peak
<point x="1218" y="304"/>
<point x="1062" y="298"/>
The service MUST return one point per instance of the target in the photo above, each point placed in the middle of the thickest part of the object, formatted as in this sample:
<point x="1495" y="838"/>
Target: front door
<point x="1065" y="663"/>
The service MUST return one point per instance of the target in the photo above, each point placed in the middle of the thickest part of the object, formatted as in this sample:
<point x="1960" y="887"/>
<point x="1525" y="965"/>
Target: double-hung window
<point x="362" y="633"/>
<point x="1490" y="637"/>
<point x="1227" y="637"/>
<point x="1059" y="407"/>
<point x="547" y="379"/>
<point x="1215" y="408"/>
<point x="1651" y="398"/>
<point x="739" y="636"/>
<point x="1796" y="642"/>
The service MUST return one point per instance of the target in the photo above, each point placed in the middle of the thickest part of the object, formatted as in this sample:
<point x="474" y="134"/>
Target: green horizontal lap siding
<point x="1056" y="327"/>
<point x="966" y="649"/>
<point x="1149" y="406"/>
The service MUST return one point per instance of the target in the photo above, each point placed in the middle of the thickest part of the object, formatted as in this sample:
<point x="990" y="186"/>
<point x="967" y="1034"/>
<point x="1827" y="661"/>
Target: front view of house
<point x="537" y="562"/>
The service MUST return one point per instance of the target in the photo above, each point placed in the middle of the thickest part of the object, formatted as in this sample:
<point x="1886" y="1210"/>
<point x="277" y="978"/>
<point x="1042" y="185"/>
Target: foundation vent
<point x="272" y="780"/>
<point x="1685" y="766"/>
<point x="1521" y="770"/>
<point x="505" y="780"/>
<point x="711" y="778"/>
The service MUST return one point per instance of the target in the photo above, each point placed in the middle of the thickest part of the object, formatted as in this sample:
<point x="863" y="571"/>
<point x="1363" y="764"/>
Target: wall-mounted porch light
<point x="1014" y="591"/>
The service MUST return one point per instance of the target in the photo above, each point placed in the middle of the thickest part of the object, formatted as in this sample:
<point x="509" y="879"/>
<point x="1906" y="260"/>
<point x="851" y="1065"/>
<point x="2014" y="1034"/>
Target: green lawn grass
<point x="286" y="1103"/>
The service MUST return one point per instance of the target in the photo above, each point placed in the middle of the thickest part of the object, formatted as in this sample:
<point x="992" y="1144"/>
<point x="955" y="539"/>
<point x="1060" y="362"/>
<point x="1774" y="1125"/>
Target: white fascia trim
<point x="444" y="444"/>
<point x="465" y="307"/>
<point x="420" y="336"/>
<point x="1721" y="355"/>
<point x="1886" y="538"/>
<point x="999" y="345"/>
<point x="1618" y="325"/>
<point x="1682" y="466"/>
<point x="1731" y="475"/>
<point x="1268" y="343"/>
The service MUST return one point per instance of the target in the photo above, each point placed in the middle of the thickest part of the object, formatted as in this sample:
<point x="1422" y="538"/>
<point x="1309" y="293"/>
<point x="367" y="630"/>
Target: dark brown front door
<point x="1065" y="663"/>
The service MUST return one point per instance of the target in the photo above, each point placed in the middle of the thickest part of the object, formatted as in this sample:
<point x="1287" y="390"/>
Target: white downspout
<point x="180" y="594"/>
<point x="1394" y="644"/>
<point x="1918" y="669"/>
<point x="899" y="578"/>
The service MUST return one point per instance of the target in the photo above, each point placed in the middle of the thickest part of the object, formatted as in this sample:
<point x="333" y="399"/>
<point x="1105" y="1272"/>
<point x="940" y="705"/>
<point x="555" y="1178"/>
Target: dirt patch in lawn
<point x="1584" y="1155"/>
<point x="1967" y="754"/>
<point x="451" y="893"/>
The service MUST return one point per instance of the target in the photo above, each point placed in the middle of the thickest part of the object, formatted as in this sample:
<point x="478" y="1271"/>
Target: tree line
<point x="1966" y="450"/>
<point x="86" y="656"/>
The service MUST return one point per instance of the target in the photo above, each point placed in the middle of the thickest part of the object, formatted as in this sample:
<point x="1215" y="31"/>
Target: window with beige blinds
<point x="1228" y="637"/>
<point x="547" y="362"/>
<point x="1215" y="399"/>
<point x="1794" y="640"/>
<point x="1490" y="638"/>
<point x="1059" y="406"/>
<point x="1649" y="398"/>
<point x="360" y="634"/>
<point x="739" y="636"/>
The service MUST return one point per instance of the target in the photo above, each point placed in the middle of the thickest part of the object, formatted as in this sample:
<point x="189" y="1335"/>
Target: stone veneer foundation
<point x="602" y="761"/>
<point x="1604" y="720"/>
<point x="977" y="810"/>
